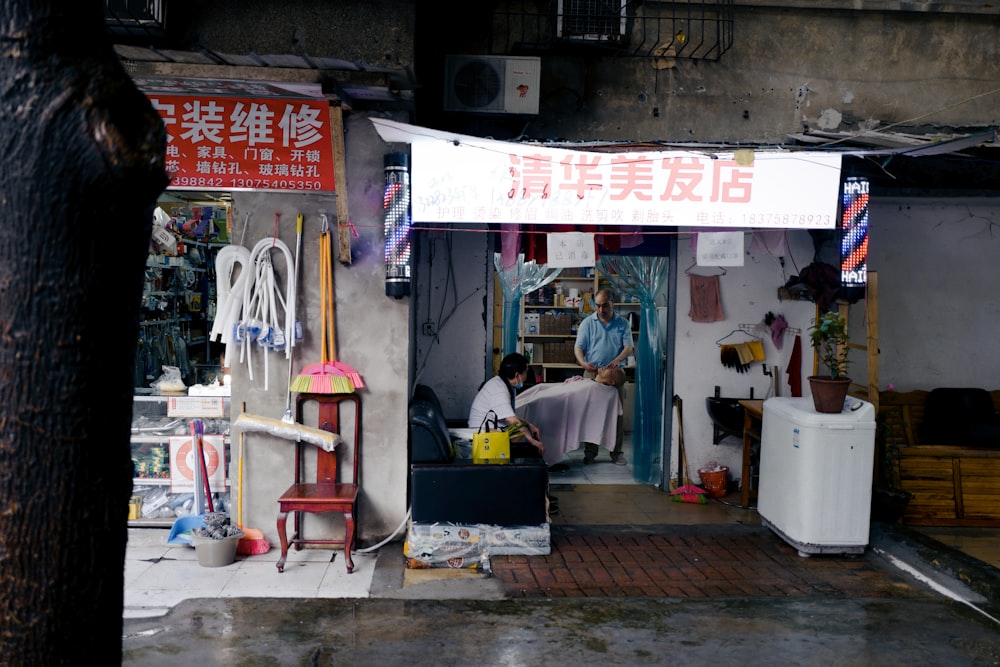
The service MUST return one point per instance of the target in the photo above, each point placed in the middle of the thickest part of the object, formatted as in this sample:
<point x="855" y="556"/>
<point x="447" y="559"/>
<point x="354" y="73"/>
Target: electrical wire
<point x="386" y="541"/>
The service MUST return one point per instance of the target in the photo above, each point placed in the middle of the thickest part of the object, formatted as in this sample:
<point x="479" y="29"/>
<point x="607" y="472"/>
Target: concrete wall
<point x="793" y="66"/>
<point x="788" y="71"/>
<point x="372" y="335"/>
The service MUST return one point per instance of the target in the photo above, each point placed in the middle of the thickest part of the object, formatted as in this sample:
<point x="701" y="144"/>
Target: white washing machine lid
<point x="857" y="414"/>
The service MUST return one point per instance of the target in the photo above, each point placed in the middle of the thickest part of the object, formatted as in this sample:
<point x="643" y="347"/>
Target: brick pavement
<point x="689" y="562"/>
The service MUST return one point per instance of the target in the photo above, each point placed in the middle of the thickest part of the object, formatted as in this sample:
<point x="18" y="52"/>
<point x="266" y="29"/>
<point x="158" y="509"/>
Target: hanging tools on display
<point x="264" y="303"/>
<point x="329" y="376"/>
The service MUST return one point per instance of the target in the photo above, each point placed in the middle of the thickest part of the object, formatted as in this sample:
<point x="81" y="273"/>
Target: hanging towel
<point x="794" y="369"/>
<point x="778" y="326"/>
<point x="706" y="300"/>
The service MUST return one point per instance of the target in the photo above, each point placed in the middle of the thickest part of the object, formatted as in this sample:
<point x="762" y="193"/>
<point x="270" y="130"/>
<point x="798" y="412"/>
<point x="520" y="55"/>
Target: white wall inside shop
<point x="372" y="335"/>
<point x="452" y="292"/>
<point x="937" y="315"/>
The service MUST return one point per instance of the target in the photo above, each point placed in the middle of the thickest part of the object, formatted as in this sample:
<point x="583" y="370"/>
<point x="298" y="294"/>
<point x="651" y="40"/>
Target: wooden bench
<point x="951" y="483"/>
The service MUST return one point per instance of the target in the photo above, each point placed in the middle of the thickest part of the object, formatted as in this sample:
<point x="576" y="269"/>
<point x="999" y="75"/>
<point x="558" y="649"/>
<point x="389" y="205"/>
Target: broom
<point x="253" y="542"/>
<point x="329" y="376"/>
<point x="686" y="492"/>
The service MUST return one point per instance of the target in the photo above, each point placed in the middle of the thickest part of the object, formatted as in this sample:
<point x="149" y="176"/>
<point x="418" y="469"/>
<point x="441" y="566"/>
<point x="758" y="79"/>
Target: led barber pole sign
<point x="396" y="212"/>
<point x="854" y="233"/>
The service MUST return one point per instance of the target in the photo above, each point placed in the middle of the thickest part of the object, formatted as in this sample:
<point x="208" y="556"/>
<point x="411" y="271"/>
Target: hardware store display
<point x="179" y="294"/>
<point x="162" y="493"/>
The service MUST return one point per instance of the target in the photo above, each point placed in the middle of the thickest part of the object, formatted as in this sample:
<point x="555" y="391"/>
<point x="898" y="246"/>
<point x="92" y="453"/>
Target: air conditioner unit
<point x="592" y="20"/>
<point x="492" y="84"/>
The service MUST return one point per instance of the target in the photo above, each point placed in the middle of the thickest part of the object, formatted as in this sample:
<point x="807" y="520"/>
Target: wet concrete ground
<point x="910" y="630"/>
<point x="902" y="602"/>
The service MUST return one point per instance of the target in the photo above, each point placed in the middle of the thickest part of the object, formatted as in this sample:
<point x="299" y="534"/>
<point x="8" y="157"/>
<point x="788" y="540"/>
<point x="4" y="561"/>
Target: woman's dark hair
<point x="512" y="364"/>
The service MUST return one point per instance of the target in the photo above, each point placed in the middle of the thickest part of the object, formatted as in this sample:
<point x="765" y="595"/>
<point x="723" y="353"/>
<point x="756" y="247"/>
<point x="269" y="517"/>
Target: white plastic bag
<point x="170" y="381"/>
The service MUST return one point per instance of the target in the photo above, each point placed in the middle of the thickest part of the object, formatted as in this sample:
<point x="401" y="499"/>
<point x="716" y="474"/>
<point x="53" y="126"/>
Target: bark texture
<point x="82" y="153"/>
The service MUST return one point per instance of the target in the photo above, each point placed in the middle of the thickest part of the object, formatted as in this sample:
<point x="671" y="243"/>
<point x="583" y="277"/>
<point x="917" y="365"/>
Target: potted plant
<point x="828" y="335"/>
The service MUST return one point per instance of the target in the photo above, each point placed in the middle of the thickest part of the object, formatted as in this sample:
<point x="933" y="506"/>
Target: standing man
<point x="604" y="339"/>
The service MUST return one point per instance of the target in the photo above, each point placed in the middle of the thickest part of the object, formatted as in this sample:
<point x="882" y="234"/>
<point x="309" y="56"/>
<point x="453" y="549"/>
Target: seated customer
<point x="497" y="396"/>
<point x="613" y="376"/>
<point x="575" y="411"/>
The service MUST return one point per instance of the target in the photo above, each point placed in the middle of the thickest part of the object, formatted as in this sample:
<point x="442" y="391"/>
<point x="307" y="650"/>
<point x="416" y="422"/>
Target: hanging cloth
<point x="778" y="326"/>
<point x="510" y="246"/>
<point x="706" y="299"/>
<point x="770" y="241"/>
<point x="794" y="369"/>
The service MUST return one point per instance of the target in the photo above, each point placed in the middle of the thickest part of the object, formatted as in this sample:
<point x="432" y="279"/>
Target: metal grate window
<point x="592" y="19"/>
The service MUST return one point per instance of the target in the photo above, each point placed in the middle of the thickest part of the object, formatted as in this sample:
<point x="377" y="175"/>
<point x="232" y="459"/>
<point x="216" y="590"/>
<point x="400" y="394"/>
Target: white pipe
<point x="386" y="540"/>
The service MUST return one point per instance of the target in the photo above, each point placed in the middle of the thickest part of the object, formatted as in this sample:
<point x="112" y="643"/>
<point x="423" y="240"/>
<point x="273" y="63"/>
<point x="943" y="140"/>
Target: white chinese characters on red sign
<point x="243" y="143"/>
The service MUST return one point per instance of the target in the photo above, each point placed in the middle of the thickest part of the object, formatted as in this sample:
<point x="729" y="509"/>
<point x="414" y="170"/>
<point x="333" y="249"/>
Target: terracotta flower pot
<point x="828" y="394"/>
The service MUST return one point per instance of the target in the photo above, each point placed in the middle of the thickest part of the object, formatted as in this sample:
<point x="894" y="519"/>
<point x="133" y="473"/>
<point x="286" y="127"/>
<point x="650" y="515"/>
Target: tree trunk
<point x="83" y="163"/>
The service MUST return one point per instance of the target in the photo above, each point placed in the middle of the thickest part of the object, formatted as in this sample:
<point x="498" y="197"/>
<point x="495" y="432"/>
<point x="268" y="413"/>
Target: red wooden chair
<point x="327" y="493"/>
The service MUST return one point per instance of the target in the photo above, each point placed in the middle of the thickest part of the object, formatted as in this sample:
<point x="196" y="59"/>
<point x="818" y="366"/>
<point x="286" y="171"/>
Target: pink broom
<point x="329" y="376"/>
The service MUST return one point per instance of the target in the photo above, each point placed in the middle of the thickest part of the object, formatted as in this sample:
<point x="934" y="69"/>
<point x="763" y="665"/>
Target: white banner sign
<point x="457" y="178"/>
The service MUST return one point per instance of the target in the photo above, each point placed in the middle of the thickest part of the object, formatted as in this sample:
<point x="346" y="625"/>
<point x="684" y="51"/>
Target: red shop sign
<point x="235" y="135"/>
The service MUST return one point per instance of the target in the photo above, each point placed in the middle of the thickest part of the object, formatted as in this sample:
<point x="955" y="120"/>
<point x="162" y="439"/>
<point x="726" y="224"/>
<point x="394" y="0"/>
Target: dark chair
<point x="446" y="489"/>
<point x="430" y="441"/>
<point x="961" y="415"/>
<point x="327" y="493"/>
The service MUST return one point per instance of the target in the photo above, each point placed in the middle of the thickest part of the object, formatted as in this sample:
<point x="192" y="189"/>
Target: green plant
<point x="828" y="335"/>
<point x="514" y="430"/>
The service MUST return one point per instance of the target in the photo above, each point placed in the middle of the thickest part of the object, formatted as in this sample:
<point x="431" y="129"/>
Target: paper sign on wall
<point x="720" y="249"/>
<point x="570" y="249"/>
<point x="196" y="406"/>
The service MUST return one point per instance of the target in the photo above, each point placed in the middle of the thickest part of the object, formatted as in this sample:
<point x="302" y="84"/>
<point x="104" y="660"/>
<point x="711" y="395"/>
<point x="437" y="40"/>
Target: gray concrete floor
<point x="916" y="603"/>
<point x="918" y="630"/>
<point x="908" y="600"/>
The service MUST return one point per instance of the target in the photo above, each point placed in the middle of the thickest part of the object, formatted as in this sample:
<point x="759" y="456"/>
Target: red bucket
<point x="715" y="482"/>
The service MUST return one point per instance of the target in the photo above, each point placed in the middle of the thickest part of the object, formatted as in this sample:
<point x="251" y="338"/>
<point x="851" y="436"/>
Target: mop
<point x="253" y="542"/>
<point x="286" y="427"/>
<point x="329" y="376"/>
<point x="686" y="492"/>
<point x="262" y="301"/>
